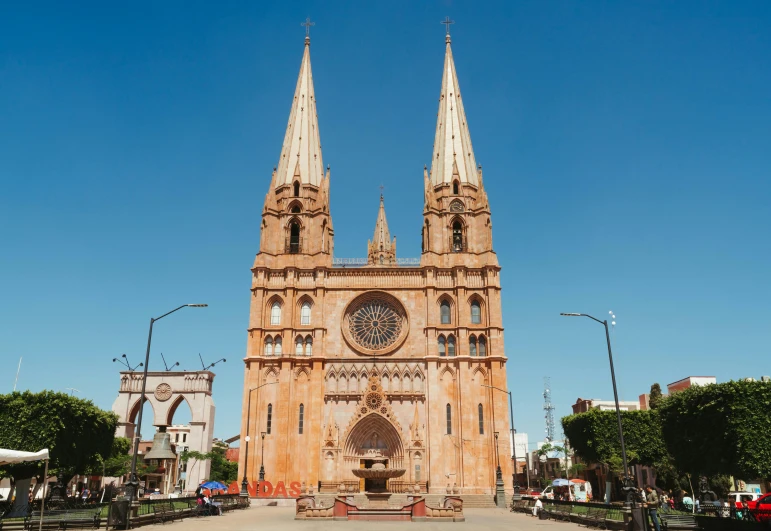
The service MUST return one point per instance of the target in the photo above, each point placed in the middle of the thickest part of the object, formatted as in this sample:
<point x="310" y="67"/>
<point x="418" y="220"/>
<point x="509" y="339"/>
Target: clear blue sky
<point x="626" y="150"/>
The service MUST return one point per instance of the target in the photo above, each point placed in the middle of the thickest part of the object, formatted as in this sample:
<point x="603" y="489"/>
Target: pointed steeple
<point x="381" y="250"/>
<point x="300" y="158"/>
<point x="453" y="156"/>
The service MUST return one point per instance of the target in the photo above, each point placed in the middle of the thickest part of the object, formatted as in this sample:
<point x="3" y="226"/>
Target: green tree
<point x="222" y="470"/>
<point x="594" y="436"/>
<point x="76" y="432"/>
<point x="720" y="429"/>
<point x="655" y="397"/>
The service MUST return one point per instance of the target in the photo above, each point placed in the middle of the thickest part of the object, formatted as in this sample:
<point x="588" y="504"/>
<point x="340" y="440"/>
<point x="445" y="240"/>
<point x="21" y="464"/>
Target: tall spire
<point x="300" y="158"/>
<point x="381" y="250"/>
<point x="453" y="156"/>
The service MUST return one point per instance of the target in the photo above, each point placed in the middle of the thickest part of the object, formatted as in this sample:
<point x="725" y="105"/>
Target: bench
<point x="243" y="502"/>
<point x="678" y="521"/>
<point x="519" y="505"/>
<point x="65" y="518"/>
<point x="164" y="512"/>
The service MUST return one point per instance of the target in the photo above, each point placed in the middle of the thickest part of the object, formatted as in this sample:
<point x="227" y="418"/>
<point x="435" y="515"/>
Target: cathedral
<point x="385" y="359"/>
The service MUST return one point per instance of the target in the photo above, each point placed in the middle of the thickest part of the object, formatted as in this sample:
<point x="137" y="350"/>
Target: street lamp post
<point x="628" y="487"/>
<point x="133" y="483"/>
<point x="515" y="478"/>
<point x="262" y="454"/>
<point x="244" y="483"/>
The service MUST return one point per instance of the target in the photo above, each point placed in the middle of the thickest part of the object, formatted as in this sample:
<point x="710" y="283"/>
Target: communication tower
<point x="548" y="409"/>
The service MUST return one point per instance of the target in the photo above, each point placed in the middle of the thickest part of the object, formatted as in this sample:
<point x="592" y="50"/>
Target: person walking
<point x="653" y="507"/>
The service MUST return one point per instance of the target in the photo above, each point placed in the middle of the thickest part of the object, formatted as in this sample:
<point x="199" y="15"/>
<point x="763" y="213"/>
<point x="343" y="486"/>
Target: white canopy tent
<point x="10" y="457"/>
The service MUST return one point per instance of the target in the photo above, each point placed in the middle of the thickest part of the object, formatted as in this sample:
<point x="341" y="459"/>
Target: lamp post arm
<point x="594" y="319"/>
<point x="168" y="313"/>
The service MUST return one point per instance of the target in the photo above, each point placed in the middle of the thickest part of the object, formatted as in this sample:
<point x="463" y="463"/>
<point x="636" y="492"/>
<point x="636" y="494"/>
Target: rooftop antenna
<point x="72" y="390"/>
<point x="166" y="364"/>
<point x="125" y="362"/>
<point x="207" y="367"/>
<point x="548" y="408"/>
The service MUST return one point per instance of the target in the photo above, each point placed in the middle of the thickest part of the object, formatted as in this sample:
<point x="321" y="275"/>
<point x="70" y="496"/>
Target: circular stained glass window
<point x="375" y="323"/>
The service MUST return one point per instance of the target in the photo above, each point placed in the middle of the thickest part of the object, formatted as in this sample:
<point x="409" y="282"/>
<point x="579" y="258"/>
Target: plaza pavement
<point x="282" y="518"/>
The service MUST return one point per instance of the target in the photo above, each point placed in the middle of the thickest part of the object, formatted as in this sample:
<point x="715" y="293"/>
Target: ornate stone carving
<point x="375" y="323"/>
<point x="163" y="392"/>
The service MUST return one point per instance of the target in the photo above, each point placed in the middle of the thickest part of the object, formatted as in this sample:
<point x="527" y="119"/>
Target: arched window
<point x="305" y="313"/>
<point x="449" y="420"/>
<point x="270" y="419"/>
<point x="295" y="209"/>
<point x="481" y="420"/>
<point x="482" y="346"/>
<point x="444" y="312"/>
<point x="472" y="346"/>
<point x="442" y="351"/>
<point x="298" y="346"/>
<point x="451" y="346"/>
<point x="294" y="238"/>
<point x="296" y="189"/>
<point x="277" y="346"/>
<point x="476" y="312"/>
<point x="275" y="314"/>
<point x="455" y="187"/>
<point x="457" y="237"/>
<point x="268" y="346"/>
<point x="302" y="415"/>
<point x="308" y="346"/>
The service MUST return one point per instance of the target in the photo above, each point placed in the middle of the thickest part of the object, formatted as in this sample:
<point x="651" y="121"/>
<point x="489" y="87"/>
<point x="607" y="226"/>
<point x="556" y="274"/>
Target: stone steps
<point x="398" y="500"/>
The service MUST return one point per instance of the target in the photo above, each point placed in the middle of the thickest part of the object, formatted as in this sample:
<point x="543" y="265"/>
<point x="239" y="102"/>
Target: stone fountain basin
<point x="375" y="473"/>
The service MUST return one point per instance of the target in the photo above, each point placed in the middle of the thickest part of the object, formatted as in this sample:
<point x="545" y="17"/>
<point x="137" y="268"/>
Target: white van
<point x="738" y="498"/>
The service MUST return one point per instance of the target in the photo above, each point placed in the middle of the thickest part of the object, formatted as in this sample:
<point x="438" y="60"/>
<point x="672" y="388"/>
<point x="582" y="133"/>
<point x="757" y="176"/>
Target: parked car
<point x="531" y="493"/>
<point x="738" y="498"/>
<point x="760" y="509"/>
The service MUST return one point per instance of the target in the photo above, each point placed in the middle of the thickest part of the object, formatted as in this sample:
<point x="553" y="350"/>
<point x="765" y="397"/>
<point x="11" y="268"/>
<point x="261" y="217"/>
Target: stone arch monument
<point x="165" y="392"/>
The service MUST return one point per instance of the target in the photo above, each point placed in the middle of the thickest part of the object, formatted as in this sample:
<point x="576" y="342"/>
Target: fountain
<point x="376" y="477"/>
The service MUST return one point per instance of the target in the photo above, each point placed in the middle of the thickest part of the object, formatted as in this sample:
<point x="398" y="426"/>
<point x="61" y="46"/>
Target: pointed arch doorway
<point x="373" y="436"/>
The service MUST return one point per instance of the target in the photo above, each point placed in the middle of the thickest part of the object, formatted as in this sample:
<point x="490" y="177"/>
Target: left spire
<point x="300" y="159"/>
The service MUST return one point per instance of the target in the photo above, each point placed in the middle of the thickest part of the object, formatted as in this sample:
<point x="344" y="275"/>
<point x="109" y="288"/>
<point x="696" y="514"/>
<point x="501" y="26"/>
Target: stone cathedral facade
<point x="380" y="359"/>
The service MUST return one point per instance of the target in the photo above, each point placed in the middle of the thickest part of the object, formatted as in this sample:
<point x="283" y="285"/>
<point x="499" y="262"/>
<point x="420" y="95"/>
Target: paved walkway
<point x="269" y="518"/>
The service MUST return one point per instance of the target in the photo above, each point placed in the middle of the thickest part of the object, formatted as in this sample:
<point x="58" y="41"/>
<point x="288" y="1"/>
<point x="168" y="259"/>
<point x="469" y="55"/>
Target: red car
<point x="760" y="509"/>
<point x="531" y="493"/>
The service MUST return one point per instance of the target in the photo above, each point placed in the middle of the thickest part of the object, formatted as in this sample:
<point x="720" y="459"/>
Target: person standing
<point x="653" y="506"/>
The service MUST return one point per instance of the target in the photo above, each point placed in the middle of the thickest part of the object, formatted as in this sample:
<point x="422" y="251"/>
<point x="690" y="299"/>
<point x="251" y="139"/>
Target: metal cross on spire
<point x="447" y="23"/>
<point x="307" y="25"/>
<point x="381" y="191"/>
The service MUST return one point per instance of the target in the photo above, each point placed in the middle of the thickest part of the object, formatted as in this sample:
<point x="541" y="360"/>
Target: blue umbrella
<point x="214" y="485"/>
<point x="560" y="482"/>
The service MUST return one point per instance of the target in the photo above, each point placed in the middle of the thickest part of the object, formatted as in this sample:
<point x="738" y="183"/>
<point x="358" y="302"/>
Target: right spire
<point x="453" y="157"/>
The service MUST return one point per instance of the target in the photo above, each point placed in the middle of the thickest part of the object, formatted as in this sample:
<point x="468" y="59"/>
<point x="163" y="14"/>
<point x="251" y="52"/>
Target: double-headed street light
<point x="244" y="483"/>
<point x="515" y="477"/>
<point x="133" y="483"/>
<point x="628" y="488"/>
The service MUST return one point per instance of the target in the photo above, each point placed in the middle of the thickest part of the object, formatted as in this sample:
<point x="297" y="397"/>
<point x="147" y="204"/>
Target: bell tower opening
<point x="294" y="237"/>
<point x="457" y="237"/>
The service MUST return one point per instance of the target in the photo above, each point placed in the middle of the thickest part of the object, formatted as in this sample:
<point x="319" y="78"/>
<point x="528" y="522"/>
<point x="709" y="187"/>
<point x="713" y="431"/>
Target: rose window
<point x="374" y="400"/>
<point x="375" y="324"/>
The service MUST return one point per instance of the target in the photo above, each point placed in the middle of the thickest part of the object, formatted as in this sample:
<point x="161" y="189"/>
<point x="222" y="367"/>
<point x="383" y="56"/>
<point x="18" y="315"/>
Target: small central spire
<point x="381" y="251"/>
